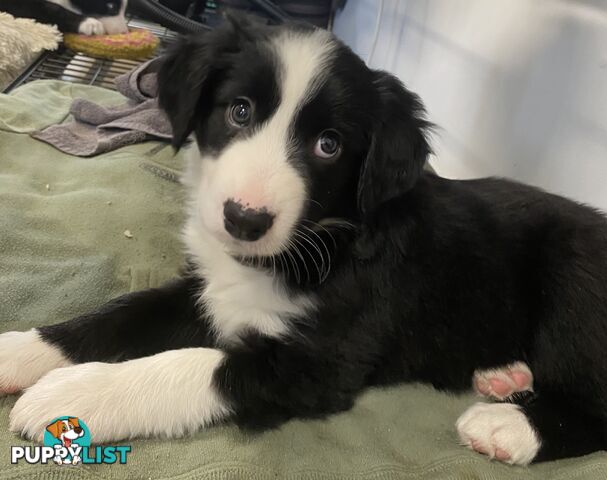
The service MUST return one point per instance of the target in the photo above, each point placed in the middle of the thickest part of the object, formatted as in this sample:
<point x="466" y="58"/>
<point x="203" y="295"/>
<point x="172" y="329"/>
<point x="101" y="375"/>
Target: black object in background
<point x="317" y="12"/>
<point x="179" y="6"/>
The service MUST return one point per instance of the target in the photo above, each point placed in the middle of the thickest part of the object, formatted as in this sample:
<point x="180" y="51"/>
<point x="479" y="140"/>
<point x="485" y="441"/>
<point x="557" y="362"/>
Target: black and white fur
<point x="88" y="17"/>
<point x="367" y="270"/>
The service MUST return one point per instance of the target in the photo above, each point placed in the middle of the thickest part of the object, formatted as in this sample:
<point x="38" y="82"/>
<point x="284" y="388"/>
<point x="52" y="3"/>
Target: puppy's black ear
<point x="399" y="148"/>
<point x="189" y="74"/>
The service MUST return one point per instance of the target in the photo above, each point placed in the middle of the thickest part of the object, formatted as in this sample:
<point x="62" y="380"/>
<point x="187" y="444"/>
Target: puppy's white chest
<point x="238" y="298"/>
<point x="244" y="299"/>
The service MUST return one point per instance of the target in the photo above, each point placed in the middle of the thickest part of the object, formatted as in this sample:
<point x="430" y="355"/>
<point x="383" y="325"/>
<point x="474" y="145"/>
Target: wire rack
<point x="76" y="67"/>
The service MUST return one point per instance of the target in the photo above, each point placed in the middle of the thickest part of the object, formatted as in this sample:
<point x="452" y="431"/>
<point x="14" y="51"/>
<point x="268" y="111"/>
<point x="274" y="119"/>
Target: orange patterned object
<point x="133" y="45"/>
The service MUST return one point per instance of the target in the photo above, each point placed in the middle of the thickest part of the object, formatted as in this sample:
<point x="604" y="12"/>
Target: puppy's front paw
<point x="24" y="358"/>
<point x="169" y="394"/>
<point x="499" y="430"/>
<point x="83" y="391"/>
<point x="91" y="26"/>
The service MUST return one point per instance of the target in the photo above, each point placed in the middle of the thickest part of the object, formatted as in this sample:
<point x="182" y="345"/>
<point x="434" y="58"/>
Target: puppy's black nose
<point x="78" y="430"/>
<point x="245" y="224"/>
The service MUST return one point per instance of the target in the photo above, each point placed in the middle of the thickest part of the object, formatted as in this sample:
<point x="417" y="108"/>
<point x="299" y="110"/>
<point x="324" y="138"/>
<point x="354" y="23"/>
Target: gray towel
<point x="98" y="129"/>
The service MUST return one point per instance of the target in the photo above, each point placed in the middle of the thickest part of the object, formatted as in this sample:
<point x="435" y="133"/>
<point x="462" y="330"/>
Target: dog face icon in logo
<point x="67" y="435"/>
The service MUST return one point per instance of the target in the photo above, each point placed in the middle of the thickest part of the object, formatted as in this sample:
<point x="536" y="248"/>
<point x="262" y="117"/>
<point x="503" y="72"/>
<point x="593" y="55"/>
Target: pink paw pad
<point x="478" y="447"/>
<point x="499" y="453"/>
<point x="502" y="455"/>
<point x="523" y="380"/>
<point x="500" y="383"/>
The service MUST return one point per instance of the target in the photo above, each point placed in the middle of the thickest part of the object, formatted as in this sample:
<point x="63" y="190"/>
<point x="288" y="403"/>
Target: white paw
<point x="499" y="430"/>
<point x="58" y="460"/>
<point x="76" y="460"/>
<point x="91" y="26"/>
<point x="113" y="25"/>
<point x="167" y="394"/>
<point x="24" y="358"/>
<point x="82" y="390"/>
<point x="500" y="383"/>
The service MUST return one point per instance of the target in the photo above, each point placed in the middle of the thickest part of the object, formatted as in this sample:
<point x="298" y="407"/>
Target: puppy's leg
<point x="261" y="383"/>
<point x="134" y="325"/>
<point x="268" y="382"/>
<point x="167" y="394"/>
<point x="24" y="358"/>
<point x="501" y="383"/>
<point x="533" y="428"/>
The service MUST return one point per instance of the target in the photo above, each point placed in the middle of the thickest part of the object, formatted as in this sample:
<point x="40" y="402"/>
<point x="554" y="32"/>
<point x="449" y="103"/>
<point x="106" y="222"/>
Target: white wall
<point x="517" y="87"/>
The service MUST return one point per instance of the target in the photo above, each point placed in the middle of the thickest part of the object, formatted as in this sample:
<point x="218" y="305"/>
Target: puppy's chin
<point x="261" y="248"/>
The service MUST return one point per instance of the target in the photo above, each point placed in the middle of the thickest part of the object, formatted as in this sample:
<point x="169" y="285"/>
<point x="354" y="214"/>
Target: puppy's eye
<point x="328" y="144"/>
<point x="240" y="112"/>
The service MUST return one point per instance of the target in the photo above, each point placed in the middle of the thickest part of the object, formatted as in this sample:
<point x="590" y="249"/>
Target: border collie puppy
<point x="89" y="17"/>
<point x="323" y="260"/>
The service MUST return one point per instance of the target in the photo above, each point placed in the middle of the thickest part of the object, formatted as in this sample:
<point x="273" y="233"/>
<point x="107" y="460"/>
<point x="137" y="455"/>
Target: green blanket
<point x="63" y="251"/>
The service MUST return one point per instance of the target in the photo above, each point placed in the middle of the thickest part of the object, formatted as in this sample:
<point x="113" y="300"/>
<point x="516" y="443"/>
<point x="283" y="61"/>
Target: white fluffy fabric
<point x="21" y="41"/>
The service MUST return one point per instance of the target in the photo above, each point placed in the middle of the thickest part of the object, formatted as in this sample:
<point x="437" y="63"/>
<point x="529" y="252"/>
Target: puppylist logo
<point x="67" y="441"/>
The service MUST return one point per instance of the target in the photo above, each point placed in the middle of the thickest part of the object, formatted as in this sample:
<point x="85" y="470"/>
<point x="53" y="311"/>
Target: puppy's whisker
<point x="337" y="222"/>
<point x="296" y="246"/>
<point x="302" y="236"/>
<point x="296" y="270"/>
<point x="282" y="265"/>
<point x="297" y="249"/>
<point x="293" y="263"/>
<point x="320" y="253"/>
<point x="328" y="270"/>
<point x="311" y="200"/>
<point x="316" y="224"/>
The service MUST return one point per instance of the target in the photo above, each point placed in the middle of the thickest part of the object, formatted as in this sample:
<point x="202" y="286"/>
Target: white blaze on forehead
<point x="303" y="58"/>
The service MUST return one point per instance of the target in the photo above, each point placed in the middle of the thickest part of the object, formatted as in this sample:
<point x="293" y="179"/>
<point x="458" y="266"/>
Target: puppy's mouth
<point x="254" y="254"/>
<point x="67" y="442"/>
<point x="308" y="252"/>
